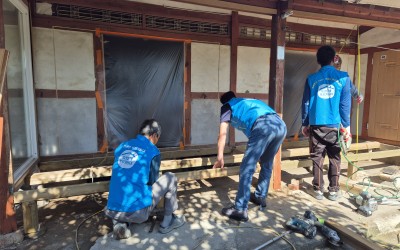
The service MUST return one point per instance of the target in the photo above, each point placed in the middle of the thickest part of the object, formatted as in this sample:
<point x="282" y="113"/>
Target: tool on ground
<point x="330" y="234"/>
<point x="366" y="203"/>
<point x="304" y="226"/>
<point x="273" y="240"/>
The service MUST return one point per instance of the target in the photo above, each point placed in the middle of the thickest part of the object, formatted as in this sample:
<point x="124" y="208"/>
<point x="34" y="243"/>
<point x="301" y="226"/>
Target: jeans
<point x="266" y="137"/>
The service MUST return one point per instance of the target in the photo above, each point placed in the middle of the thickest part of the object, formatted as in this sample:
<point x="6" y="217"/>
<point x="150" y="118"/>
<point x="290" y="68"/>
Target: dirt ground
<point x="201" y="202"/>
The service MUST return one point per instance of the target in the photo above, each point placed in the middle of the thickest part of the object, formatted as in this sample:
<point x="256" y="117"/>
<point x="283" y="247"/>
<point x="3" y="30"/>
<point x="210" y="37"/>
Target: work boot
<point x="121" y="231"/>
<point x="176" y="222"/>
<point x="334" y="196"/>
<point x="258" y="200"/>
<point x="318" y="194"/>
<point x="235" y="214"/>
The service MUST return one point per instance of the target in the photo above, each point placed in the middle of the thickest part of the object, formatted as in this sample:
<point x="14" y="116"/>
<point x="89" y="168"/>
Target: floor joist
<point x="105" y="171"/>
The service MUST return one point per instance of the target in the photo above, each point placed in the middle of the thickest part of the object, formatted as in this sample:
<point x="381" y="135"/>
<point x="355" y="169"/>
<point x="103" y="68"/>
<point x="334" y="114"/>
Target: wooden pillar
<point x="276" y="77"/>
<point x="188" y="93"/>
<point x="102" y="143"/>
<point x="8" y="221"/>
<point x="367" y="95"/>
<point x="234" y="58"/>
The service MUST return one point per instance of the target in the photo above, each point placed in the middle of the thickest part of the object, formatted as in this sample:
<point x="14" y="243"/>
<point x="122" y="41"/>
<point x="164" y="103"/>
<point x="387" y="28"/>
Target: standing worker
<point x="135" y="188"/>
<point x="326" y="108"/>
<point x="266" y="132"/>
<point x="337" y="63"/>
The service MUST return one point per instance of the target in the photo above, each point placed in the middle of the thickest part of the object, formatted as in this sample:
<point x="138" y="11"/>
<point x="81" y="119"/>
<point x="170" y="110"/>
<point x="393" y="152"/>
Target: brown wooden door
<point x="384" y="119"/>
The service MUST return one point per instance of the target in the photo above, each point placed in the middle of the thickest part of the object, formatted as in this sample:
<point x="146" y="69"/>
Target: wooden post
<point x="30" y="218"/>
<point x="351" y="171"/>
<point x="234" y="57"/>
<point x="102" y="143"/>
<point x="276" y="77"/>
<point x="8" y="222"/>
<point x="188" y="93"/>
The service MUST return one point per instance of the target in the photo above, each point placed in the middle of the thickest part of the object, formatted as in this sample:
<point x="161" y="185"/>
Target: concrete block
<point x="10" y="239"/>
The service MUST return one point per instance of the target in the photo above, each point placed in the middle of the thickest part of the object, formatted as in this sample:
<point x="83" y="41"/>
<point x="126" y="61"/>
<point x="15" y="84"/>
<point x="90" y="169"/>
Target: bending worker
<point x="325" y="108"/>
<point x="266" y="132"/>
<point x="135" y="188"/>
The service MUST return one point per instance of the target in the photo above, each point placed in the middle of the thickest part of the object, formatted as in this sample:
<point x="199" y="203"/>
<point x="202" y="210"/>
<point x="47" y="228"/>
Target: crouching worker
<point x="135" y="186"/>
<point x="265" y="131"/>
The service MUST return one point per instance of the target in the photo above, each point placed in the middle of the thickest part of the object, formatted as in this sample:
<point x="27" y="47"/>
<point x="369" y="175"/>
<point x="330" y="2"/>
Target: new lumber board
<point x="105" y="171"/>
<point x="353" y="238"/>
<point x="98" y="187"/>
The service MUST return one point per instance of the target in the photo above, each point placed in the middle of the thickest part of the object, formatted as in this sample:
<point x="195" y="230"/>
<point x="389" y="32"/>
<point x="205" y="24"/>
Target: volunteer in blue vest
<point x="135" y="186"/>
<point x="265" y="131"/>
<point x="325" y="109"/>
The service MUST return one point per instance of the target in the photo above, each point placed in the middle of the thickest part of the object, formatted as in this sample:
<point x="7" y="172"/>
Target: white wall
<point x="360" y="84"/>
<point x="210" y="67"/>
<point x="379" y="36"/>
<point x="64" y="60"/>
<point x="253" y="70"/>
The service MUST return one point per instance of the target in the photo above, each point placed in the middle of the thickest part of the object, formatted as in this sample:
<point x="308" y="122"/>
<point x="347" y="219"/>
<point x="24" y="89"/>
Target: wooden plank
<point x="97" y="187"/>
<point x="60" y="192"/>
<point x="349" y="236"/>
<point x="105" y="171"/>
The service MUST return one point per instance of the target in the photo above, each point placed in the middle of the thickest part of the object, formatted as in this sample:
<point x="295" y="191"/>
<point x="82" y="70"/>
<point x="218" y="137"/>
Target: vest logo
<point x="326" y="91"/>
<point x="127" y="159"/>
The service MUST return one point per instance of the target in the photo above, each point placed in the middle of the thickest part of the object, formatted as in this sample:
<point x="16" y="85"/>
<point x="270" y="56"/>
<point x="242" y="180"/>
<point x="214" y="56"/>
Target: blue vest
<point x="246" y="111"/>
<point x="325" y="92"/>
<point x="129" y="191"/>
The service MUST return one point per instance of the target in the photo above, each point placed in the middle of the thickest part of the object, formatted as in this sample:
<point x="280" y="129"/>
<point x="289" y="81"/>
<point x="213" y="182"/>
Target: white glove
<point x="360" y="98"/>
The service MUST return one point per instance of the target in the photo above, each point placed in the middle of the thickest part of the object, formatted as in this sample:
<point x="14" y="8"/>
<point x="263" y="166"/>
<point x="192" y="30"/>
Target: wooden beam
<point x="100" y="93"/>
<point x="30" y="218"/>
<point x="53" y="93"/>
<point x="231" y="6"/>
<point x="344" y="19"/>
<point x="105" y="171"/>
<point x="349" y="236"/>
<point x="276" y="78"/>
<point x="367" y="95"/>
<point x="234" y="62"/>
<point x="188" y="94"/>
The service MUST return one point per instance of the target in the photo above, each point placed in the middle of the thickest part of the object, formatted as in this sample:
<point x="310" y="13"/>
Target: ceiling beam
<point x="232" y="6"/>
<point x="345" y="19"/>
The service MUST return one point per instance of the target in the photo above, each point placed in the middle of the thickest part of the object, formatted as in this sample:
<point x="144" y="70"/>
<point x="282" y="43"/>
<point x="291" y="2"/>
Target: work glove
<point x="346" y="134"/>
<point x="360" y="98"/>
<point x="305" y="130"/>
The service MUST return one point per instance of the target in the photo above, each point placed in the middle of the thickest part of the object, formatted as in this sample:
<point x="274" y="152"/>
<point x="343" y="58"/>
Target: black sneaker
<point x="258" y="200"/>
<point x="235" y="214"/>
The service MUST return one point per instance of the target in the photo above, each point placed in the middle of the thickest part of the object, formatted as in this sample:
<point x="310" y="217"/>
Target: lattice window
<point x="165" y="23"/>
<point x="97" y="15"/>
<point x="255" y="32"/>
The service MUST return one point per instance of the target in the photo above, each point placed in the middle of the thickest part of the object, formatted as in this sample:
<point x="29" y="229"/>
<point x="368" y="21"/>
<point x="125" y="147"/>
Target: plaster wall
<point x="253" y="70"/>
<point x="210" y="67"/>
<point x="64" y="60"/>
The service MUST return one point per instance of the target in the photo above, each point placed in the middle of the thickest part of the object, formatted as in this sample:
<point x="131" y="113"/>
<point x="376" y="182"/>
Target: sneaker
<point x="121" y="231"/>
<point x="258" y="200"/>
<point x="318" y="194"/>
<point x="235" y="214"/>
<point x="334" y="196"/>
<point x="175" y="223"/>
